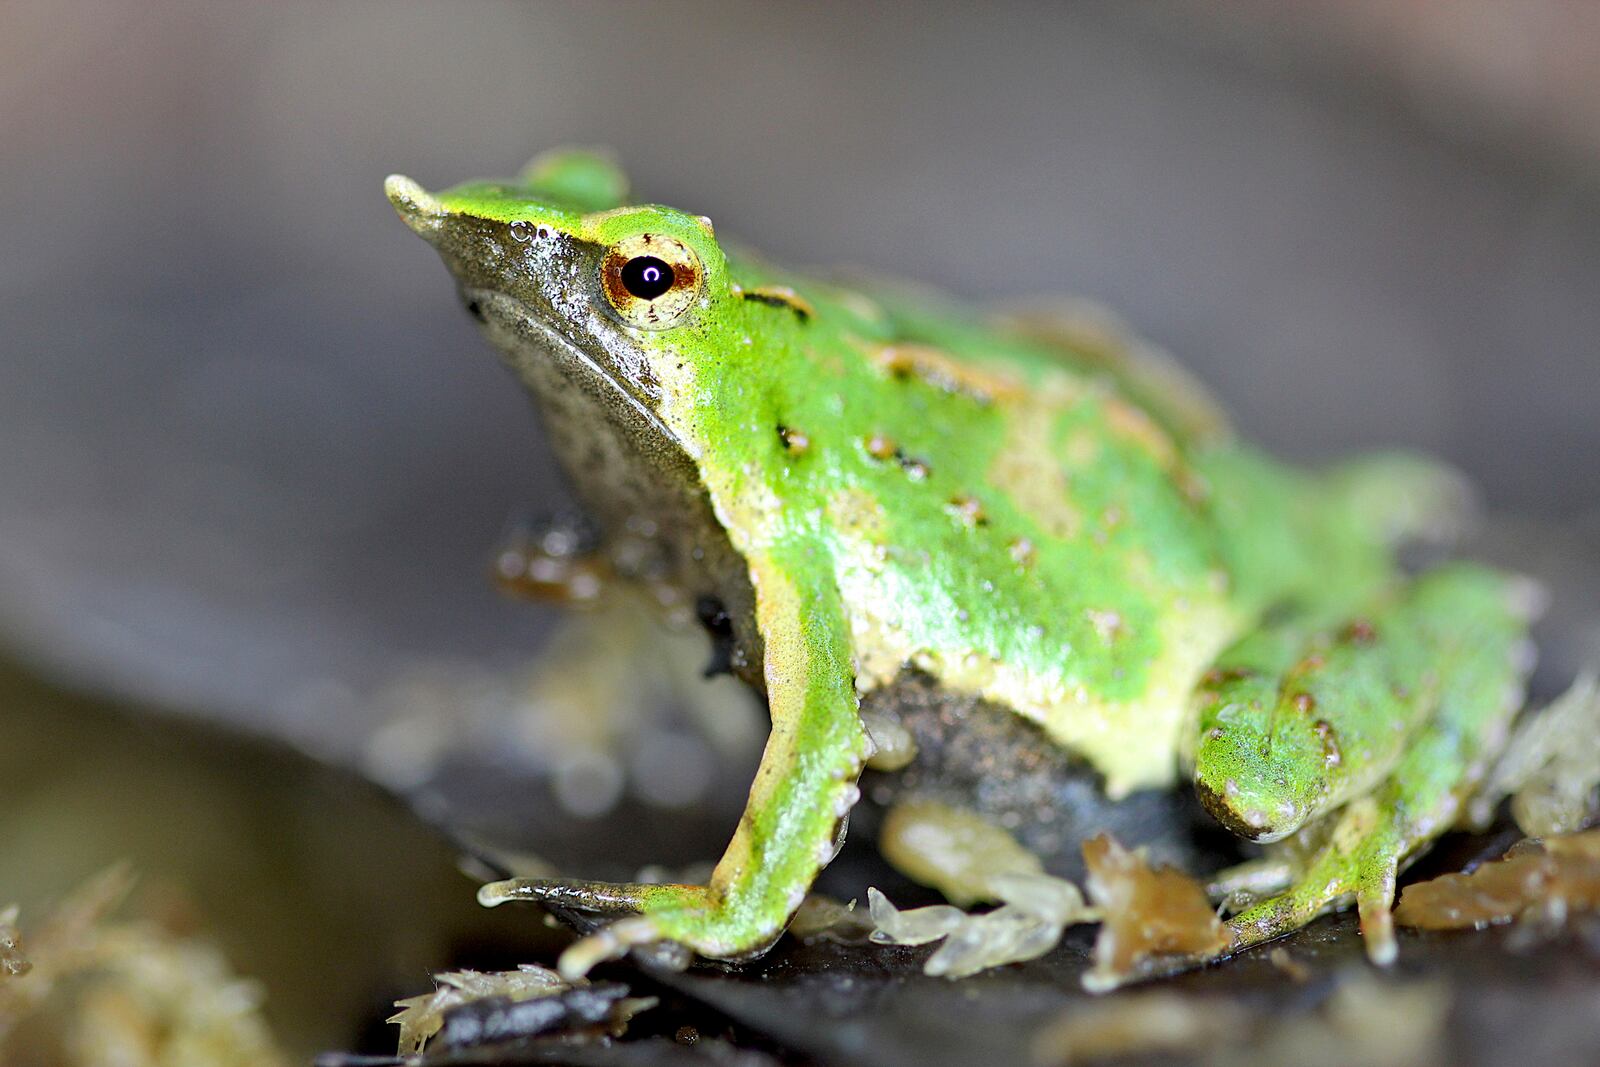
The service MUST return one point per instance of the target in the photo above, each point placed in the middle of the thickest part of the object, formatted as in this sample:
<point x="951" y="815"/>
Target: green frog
<point x="872" y="490"/>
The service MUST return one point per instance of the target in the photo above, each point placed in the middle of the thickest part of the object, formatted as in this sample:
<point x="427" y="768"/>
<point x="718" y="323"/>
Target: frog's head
<point x="581" y="294"/>
<point x="1263" y="776"/>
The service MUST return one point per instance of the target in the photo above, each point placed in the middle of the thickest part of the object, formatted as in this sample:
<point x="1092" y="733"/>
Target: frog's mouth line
<point x="510" y="313"/>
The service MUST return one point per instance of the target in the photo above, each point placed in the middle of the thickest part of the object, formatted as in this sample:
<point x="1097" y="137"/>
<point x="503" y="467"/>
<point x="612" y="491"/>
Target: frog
<point x="872" y="489"/>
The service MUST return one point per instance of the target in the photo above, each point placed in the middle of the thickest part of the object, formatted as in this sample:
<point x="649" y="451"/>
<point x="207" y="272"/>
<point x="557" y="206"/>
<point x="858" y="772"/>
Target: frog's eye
<point x="651" y="280"/>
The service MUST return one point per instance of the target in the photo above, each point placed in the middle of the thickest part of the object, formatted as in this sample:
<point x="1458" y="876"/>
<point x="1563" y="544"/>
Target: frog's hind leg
<point x="1361" y="741"/>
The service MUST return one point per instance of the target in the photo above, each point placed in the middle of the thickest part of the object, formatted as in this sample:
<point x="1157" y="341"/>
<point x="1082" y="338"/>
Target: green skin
<point x="873" y="477"/>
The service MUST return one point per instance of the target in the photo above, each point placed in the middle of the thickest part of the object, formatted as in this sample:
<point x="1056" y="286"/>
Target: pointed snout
<point x="417" y="208"/>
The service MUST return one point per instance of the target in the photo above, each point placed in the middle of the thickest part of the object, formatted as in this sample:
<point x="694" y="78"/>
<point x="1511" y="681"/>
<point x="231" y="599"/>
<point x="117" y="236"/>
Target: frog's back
<point x="1004" y="513"/>
<point x="1023" y="520"/>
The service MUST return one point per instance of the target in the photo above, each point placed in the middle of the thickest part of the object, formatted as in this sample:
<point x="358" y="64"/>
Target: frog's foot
<point x="1360" y="860"/>
<point x="686" y="915"/>
<point x="1373" y="732"/>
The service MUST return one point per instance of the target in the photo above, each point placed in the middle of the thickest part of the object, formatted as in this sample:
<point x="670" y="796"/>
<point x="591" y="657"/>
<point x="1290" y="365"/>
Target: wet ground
<point x="341" y="901"/>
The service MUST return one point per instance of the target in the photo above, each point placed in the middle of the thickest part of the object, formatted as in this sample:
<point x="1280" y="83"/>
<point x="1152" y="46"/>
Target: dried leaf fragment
<point x="1551" y="766"/>
<point x="1557" y="875"/>
<point x="1147" y="913"/>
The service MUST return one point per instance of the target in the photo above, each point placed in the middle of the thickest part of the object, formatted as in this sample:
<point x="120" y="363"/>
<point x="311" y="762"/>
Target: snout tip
<point x="1254" y="819"/>
<point x="417" y="207"/>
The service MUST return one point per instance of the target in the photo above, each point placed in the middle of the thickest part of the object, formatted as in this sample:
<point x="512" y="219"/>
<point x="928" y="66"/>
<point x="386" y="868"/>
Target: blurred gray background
<point x="253" y="458"/>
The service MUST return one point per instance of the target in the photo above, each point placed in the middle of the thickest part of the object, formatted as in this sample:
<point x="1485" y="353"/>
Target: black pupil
<point x="646" y="277"/>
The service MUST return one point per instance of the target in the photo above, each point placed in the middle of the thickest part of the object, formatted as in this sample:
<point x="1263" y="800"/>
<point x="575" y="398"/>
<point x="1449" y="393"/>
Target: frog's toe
<point x="1377" y="931"/>
<point x="633" y="901"/>
<point x="1375" y="905"/>
<point x="599" y="898"/>
<point x="610" y="942"/>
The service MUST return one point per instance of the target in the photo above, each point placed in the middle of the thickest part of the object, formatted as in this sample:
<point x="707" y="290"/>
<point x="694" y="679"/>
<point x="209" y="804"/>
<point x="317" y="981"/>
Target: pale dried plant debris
<point x="1288" y="966"/>
<point x="63" y="943"/>
<point x="1363" y="1021"/>
<point x="131" y="993"/>
<point x="1551" y="766"/>
<point x="422" y="1017"/>
<point x="917" y="926"/>
<point x="13" y="963"/>
<point x="1138" y="1025"/>
<point x="1034" y="910"/>
<point x="1152" y="918"/>
<point x="154" y="1000"/>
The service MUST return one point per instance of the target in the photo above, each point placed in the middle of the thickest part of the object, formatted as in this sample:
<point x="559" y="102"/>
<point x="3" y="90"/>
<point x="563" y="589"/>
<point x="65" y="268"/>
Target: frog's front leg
<point x="790" y="829"/>
<point x="1363" y="737"/>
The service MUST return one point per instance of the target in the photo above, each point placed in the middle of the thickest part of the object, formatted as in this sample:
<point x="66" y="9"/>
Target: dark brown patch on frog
<point x="901" y="367"/>
<point x="1217" y="806"/>
<point x="880" y="446"/>
<point x="969" y="510"/>
<point x="1221" y="675"/>
<point x="1330" y="742"/>
<point x="907" y="361"/>
<point x="1359" y="632"/>
<point x="1309" y="665"/>
<point x="781" y="296"/>
<point x="796" y="442"/>
<point x="1196" y="490"/>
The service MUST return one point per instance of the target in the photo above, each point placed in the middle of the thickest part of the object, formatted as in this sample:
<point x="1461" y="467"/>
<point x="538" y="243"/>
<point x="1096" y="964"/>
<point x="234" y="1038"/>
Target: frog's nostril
<point x="475" y="309"/>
